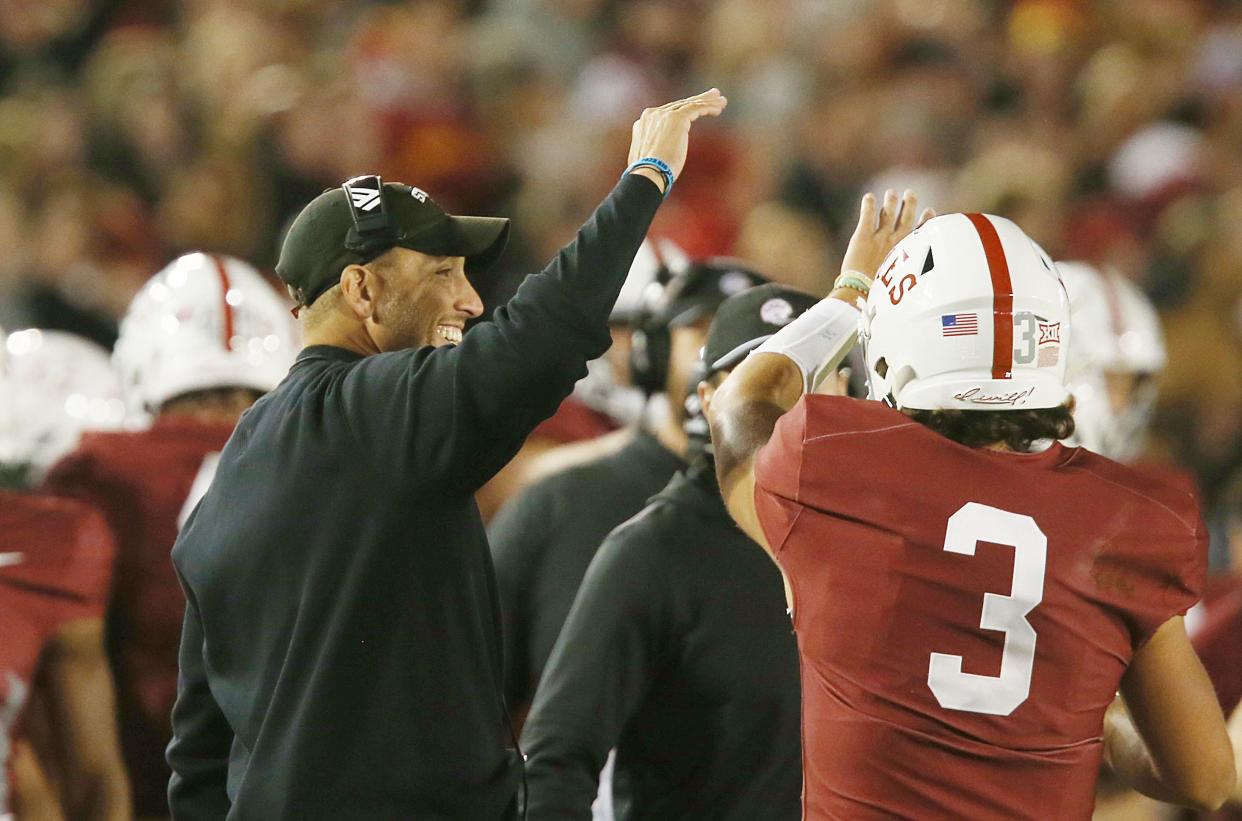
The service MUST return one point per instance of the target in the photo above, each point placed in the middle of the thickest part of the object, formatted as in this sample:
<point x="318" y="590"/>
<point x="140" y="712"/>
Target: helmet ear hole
<point x="900" y="379"/>
<point x="881" y="367"/>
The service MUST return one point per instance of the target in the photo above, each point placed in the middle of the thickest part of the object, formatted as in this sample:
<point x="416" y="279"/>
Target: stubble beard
<point x="408" y="329"/>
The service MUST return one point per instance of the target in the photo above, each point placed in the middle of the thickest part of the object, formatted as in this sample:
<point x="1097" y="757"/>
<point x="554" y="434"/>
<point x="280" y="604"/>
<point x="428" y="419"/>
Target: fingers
<point x="710" y="97"/>
<point x="888" y="212"/>
<point x="896" y="215"/>
<point x="906" y="212"/>
<point x="867" y="216"/>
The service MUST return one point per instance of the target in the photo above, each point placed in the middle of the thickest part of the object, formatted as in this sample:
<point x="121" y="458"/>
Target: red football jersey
<point x="964" y="616"/>
<point x="573" y="422"/>
<point x="55" y="560"/>
<point x="145" y="483"/>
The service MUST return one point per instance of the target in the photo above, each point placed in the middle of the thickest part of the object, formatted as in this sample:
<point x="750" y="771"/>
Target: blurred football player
<point x="968" y="593"/>
<point x="544" y="539"/>
<point x="55" y="567"/>
<point x="1113" y="360"/>
<point x="677" y="651"/>
<point x="55" y="564"/>
<point x="53" y="387"/>
<point x="200" y="342"/>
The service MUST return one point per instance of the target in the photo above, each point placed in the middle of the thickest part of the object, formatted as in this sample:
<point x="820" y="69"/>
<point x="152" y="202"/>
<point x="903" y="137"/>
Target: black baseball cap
<point x="365" y="217"/>
<point x="744" y="321"/>
<point x="698" y="291"/>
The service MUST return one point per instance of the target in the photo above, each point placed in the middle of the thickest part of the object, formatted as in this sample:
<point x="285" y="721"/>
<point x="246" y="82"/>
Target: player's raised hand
<point x="664" y="132"/>
<point x="879" y="230"/>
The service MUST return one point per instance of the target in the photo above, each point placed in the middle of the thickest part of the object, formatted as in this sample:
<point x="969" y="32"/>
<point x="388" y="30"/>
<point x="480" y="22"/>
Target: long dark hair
<point x="1016" y="429"/>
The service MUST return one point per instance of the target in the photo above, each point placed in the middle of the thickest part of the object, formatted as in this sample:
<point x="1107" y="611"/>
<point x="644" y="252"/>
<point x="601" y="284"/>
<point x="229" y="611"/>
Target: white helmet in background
<point x="1116" y="333"/>
<point x="54" y="386"/>
<point x="967" y="313"/>
<point x="206" y="321"/>
<point x="654" y="264"/>
<point x="603" y="389"/>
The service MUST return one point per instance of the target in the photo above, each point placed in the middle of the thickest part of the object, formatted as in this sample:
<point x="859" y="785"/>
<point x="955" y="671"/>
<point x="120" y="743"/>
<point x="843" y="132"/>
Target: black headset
<point x="652" y="340"/>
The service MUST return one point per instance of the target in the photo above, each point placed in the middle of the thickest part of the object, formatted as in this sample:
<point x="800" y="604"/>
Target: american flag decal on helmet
<point x="959" y="324"/>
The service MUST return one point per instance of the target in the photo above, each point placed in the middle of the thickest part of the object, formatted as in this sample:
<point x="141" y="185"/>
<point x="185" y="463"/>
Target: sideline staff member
<point x="678" y="650"/>
<point x="340" y="656"/>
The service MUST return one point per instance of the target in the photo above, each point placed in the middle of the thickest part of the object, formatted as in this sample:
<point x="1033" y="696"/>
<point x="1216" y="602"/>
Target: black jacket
<point x="678" y="652"/>
<point x="340" y="656"/>
<point x="543" y="541"/>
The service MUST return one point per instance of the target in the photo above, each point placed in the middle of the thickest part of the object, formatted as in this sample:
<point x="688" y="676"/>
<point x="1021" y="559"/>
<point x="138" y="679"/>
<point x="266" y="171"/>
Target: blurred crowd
<point x="1111" y="130"/>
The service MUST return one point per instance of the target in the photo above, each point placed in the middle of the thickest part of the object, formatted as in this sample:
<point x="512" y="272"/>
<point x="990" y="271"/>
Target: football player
<point x="1116" y="355"/>
<point x="968" y="593"/>
<point x="200" y="342"/>
<point x="55" y="563"/>
<point x="55" y="567"/>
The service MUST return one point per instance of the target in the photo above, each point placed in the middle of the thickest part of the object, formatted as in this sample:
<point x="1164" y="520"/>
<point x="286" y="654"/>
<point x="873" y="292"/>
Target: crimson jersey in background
<point x="142" y="482"/>
<point x="55" y="560"/>
<point x="901" y="547"/>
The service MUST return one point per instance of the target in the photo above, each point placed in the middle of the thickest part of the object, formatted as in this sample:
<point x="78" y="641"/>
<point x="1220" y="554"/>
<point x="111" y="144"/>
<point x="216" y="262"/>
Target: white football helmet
<point x="967" y="313"/>
<point x="603" y="388"/>
<point x="206" y="321"/>
<point x="53" y="387"/>
<point x="1116" y="332"/>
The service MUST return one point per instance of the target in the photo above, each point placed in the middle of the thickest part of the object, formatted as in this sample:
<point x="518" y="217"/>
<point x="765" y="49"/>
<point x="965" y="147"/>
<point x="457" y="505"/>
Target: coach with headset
<point x="543" y="540"/>
<point x="340" y="655"/>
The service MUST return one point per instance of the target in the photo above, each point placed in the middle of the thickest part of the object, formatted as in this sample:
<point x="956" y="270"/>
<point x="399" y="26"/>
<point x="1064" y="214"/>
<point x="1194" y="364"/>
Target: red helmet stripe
<point x="225" y="285"/>
<point x="1002" y="297"/>
<point x="1113" y="299"/>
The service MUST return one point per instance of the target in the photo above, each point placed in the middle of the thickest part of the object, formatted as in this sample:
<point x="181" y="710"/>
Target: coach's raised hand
<point x="663" y="133"/>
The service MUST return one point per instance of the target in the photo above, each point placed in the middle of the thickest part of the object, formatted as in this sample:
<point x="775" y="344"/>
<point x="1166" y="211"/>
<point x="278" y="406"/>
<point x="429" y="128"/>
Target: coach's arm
<point x="744" y="411"/>
<point x="202" y="738"/>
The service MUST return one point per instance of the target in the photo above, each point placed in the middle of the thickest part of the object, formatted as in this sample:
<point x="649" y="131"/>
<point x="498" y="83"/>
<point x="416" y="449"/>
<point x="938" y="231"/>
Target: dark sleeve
<point x="453" y="416"/>
<point x="202" y="738"/>
<point x="600" y="670"/>
<point x="518" y="536"/>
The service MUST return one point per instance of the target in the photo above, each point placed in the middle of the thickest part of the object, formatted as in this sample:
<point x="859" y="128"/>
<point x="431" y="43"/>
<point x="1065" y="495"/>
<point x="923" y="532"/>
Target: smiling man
<point x="340" y="656"/>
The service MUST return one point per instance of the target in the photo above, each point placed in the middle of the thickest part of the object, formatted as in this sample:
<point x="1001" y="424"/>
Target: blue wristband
<point x="658" y="165"/>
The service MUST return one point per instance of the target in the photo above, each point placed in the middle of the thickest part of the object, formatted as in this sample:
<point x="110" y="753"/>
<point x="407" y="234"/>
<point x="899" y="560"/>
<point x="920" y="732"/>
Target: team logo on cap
<point x="776" y="311"/>
<point x="364" y="199"/>
<point x="418" y="194"/>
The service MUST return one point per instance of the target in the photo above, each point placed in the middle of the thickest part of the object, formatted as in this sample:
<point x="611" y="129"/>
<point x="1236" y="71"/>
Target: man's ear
<point x="706" y="390"/>
<point x="361" y="290"/>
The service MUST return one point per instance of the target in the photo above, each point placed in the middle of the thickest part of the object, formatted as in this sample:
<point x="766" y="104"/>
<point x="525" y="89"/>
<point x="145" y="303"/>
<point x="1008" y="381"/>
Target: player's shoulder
<point x="106" y="453"/>
<point x="54" y="543"/>
<point x="827" y="416"/>
<point x="1169" y="494"/>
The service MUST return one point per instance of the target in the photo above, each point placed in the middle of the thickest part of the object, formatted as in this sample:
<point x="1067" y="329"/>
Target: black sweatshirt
<point x="340" y="656"/>
<point x="678" y="652"/>
<point x="543" y="541"/>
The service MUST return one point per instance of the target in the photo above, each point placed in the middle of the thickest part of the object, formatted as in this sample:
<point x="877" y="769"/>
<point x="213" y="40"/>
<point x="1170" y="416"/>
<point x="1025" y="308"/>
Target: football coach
<point x="340" y="655"/>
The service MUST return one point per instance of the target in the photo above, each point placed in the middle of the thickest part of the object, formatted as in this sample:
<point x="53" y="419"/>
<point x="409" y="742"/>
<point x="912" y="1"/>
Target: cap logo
<point x="364" y="199"/>
<point x="776" y="312"/>
<point x="418" y="194"/>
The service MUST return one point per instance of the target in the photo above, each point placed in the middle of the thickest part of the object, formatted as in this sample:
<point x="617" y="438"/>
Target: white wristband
<point x="817" y="340"/>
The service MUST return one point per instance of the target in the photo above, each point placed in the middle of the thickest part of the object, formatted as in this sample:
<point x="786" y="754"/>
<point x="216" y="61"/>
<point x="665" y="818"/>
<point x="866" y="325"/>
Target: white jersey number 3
<point x="995" y="695"/>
